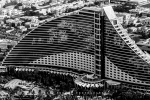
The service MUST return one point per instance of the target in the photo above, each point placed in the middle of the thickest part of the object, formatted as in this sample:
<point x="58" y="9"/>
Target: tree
<point x="10" y="4"/>
<point x="33" y="8"/>
<point x="16" y="90"/>
<point x="17" y="5"/>
<point x="148" y="33"/>
<point x="118" y="98"/>
<point x="70" y="1"/>
<point x="146" y="97"/>
<point x="22" y="95"/>
<point x="142" y="31"/>
<point x="40" y="96"/>
<point x="26" y="9"/>
<point x="129" y="95"/>
<point x="129" y="30"/>
<point x="137" y="96"/>
<point x="33" y="93"/>
<point x="136" y="39"/>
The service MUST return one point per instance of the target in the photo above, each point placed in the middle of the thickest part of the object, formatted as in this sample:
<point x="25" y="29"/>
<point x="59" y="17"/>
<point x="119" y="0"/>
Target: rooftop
<point x="10" y="7"/>
<point x="144" y="42"/>
<point x="146" y="5"/>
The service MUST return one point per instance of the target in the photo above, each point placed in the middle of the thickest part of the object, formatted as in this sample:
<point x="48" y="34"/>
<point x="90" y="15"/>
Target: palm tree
<point x="33" y="93"/>
<point x="137" y="96"/>
<point x="118" y="98"/>
<point x="122" y="96"/>
<point x="16" y="90"/>
<point x="40" y="95"/>
<point x="146" y="97"/>
<point x="21" y="95"/>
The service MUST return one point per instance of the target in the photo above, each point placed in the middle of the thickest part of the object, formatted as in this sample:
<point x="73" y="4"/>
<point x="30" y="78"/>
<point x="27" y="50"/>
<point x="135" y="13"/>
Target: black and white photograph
<point x="74" y="49"/>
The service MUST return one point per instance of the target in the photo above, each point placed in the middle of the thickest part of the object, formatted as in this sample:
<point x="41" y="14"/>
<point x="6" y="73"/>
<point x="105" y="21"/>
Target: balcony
<point x="123" y="34"/>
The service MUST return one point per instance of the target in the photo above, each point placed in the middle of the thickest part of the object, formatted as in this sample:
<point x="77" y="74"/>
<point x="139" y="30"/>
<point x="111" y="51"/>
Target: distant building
<point x="10" y="7"/>
<point x="133" y="29"/>
<point x="43" y="11"/>
<point x="3" y="68"/>
<point x="3" y="44"/>
<point x="22" y="28"/>
<point x="31" y="25"/>
<point x="121" y="18"/>
<point x="146" y="21"/>
<point x="133" y="1"/>
<point x="10" y="11"/>
<point x="4" y="12"/>
<point x="9" y="31"/>
<point x="9" y="21"/>
<point x="2" y="17"/>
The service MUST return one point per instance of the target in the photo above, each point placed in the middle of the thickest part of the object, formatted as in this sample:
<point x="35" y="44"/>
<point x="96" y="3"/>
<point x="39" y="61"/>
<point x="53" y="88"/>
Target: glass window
<point x="97" y="57"/>
<point x="98" y="72"/>
<point x="97" y="15"/>
<point x="97" y="31"/>
<point x="97" y="21"/>
<point x="97" y="52"/>
<point x="97" y="62"/>
<point x="97" y="26"/>
<point x="97" y="41"/>
<point x="114" y="22"/>
<point x="97" y="36"/>
<point x="97" y="67"/>
<point x="97" y="47"/>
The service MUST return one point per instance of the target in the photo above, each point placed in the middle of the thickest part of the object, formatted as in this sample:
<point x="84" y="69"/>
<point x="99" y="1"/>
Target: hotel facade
<point x="89" y="41"/>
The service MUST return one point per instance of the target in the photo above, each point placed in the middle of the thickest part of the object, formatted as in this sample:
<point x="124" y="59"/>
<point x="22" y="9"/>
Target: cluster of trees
<point x="139" y="29"/>
<point x="130" y="95"/>
<point x="70" y="1"/>
<point x="47" y="3"/>
<point x="124" y="7"/>
<point x="32" y="8"/>
<point x="31" y="13"/>
<point x="143" y="31"/>
<point x="62" y="83"/>
<point x="18" y="5"/>
<point x="10" y="4"/>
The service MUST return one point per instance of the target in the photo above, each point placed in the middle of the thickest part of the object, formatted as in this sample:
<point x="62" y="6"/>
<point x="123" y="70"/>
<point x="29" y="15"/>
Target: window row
<point x="124" y="79"/>
<point x="120" y="75"/>
<point x="65" y="62"/>
<point x="66" y="55"/>
<point x="68" y="59"/>
<point x="71" y="58"/>
<point x="74" y="53"/>
<point x="76" y="66"/>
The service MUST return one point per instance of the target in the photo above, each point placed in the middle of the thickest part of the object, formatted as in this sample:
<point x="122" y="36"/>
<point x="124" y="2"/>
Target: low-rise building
<point x="15" y="12"/>
<point x="10" y="21"/>
<point x="23" y="28"/>
<point x="10" y="12"/>
<point x="43" y="11"/>
<point x="31" y="25"/>
<point x="9" y="31"/>
<point x="133" y="29"/>
<point x="4" y="11"/>
<point x="2" y="17"/>
<point x="121" y="18"/>
<point x="145" y="21"/>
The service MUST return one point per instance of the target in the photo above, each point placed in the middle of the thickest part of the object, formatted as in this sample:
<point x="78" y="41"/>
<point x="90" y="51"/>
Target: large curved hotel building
<point x="91" y="40"/>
